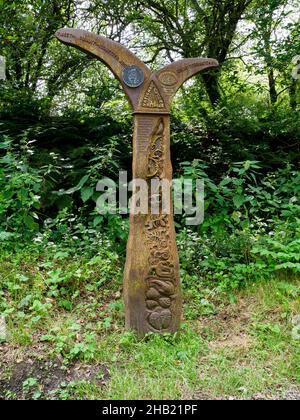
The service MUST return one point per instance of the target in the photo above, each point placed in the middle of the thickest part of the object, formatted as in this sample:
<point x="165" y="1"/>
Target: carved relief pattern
<point x="168" y="81"/>
<point x="161" y="280"/>
<point x="153" y="98"/>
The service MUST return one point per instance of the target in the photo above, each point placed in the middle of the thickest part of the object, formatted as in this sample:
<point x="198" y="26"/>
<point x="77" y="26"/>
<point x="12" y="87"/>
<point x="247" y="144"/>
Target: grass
<point x="64" y="316"/>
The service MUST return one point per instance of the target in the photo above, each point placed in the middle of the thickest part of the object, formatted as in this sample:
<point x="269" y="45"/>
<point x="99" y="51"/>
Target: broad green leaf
<point x="78" y="186"/>
<point x="239" y="200"/>
<point x="86" y="193"/>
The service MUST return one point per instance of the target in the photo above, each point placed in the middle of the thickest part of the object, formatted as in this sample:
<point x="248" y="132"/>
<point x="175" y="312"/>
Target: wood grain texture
<point x="152" y="292"/>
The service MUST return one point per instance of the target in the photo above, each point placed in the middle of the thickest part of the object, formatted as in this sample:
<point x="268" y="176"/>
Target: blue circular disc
<point x="133" y="76"/>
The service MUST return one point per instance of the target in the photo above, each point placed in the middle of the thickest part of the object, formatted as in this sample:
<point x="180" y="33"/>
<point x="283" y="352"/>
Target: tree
<point x="289" y="54"/>
<point x="190" y="28"/>
<point x="27" y="28"/>
<point x="272" y="47"/>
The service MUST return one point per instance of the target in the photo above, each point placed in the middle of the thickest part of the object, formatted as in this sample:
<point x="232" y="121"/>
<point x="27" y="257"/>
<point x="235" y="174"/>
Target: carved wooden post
<point x="151" y="280"/>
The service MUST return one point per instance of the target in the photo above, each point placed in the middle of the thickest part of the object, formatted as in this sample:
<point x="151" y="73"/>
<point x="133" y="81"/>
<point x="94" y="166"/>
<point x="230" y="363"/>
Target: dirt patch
<point x="203" y="396"/>
<point x="48" y="376"/>
<point x="229" y="328"/>
<point x="237" y="341"/>
<point x="290" y="394"/>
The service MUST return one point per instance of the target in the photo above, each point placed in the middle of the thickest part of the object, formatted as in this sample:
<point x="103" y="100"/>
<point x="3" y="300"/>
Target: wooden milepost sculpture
<point x="151" y="279"/>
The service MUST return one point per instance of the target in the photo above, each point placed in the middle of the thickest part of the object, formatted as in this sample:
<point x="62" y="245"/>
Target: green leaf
<point x="6" y="236"/>
<point x="97" y="220"/>
<point x="86" y="193"/>
<point x="29" y="222"/>
<point x="239" y="200"/>
<point x="78" y="186"/>
<point x="66" y="304"/>
<point x="225" y="181"/>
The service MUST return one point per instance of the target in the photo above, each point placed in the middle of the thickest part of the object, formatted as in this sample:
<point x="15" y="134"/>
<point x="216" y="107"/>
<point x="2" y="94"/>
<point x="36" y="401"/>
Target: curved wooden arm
<point x="111" y="53"/>
<point x="172" y="76"/>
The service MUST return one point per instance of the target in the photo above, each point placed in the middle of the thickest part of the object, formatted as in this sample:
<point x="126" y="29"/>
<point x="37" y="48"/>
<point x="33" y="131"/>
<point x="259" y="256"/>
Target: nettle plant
<point x="20" y="188"/>
<point x="245" y="196"/>
<point x="279" y="252"/>
<point x="255" y="223"/>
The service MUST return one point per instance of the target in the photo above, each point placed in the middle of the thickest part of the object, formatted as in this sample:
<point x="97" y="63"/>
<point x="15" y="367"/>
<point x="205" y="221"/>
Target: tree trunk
<point x="212" y="86"/>
<point x="272" y="86"/>
<point x="293" y="94"/>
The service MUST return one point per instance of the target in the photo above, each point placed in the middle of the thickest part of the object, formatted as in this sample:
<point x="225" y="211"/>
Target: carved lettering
<point x="99" y="44"/>
<point x="65" y="35"/>
<point x="153" y="98"/>
<point x="144" y="128"/>
<point x="190" y="66"/>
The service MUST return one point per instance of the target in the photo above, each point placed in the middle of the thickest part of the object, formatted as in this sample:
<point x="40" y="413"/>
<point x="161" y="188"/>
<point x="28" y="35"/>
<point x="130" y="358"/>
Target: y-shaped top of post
<point x="147" y="92"/>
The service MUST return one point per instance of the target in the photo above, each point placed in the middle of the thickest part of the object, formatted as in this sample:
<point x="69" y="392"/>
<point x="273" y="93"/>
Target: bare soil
<point x="50" y="375"/>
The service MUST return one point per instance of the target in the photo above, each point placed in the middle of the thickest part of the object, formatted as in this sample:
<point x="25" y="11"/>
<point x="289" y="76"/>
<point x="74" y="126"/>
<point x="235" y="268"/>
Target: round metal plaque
<point x="133" y="76"/>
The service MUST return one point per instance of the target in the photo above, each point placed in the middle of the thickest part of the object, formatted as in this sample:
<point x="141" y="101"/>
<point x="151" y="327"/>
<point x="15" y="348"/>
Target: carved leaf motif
<point x="151" y="304"/>
<point x="166" y="318"/>
<point x="155" y="321"/>
<point x="160" y="320"/>
<point x="152" y="168"/>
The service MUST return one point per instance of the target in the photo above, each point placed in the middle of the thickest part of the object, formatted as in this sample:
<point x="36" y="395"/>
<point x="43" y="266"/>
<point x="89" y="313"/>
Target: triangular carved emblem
<point x="153" y="98"/>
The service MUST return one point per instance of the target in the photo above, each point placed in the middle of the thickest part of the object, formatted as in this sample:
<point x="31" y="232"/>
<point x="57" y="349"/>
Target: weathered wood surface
<point x="151" y="278"/>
